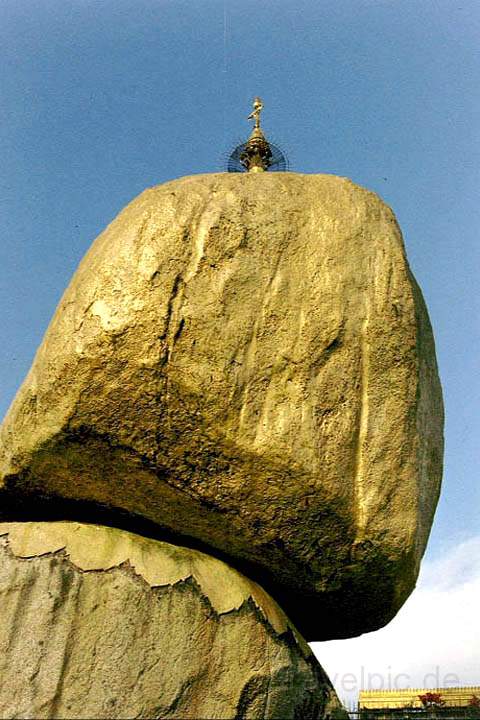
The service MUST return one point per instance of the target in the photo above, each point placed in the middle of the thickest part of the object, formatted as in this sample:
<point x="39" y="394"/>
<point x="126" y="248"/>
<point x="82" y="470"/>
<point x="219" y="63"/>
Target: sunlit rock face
<point x="101" y="623"/>
<point x="247" y="362"/>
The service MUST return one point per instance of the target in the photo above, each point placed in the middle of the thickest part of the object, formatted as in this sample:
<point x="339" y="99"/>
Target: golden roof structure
<point x="410" y="697"/>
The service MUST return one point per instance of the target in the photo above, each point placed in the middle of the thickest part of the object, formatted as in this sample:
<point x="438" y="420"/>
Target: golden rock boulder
<point x="247" y="362"/>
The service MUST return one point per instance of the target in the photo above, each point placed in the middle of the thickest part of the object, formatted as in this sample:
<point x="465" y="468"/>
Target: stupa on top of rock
<point x="242" y="367"/>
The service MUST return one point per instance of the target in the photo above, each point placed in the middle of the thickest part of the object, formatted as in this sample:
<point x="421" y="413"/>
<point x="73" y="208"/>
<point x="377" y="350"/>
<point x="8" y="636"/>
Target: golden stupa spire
<point x="257" y="153"/>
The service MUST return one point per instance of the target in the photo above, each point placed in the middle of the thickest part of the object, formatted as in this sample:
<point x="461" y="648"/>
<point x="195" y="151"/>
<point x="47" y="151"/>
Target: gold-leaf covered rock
<point x="247" y="361"/>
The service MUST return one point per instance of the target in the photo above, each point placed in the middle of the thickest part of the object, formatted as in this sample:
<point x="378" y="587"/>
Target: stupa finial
<point x="257" y="154"/>
<point x="257" y="109"/>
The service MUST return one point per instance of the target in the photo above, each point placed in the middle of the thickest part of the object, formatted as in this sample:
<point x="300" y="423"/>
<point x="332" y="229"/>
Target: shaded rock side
<point x="247" y="361"/>
<point x="98" y="622"/>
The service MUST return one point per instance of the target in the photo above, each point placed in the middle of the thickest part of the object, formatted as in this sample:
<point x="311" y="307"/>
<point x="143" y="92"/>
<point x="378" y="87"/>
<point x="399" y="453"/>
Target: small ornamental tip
<point x="257" y="109"/>
<point x="257" y="154"/>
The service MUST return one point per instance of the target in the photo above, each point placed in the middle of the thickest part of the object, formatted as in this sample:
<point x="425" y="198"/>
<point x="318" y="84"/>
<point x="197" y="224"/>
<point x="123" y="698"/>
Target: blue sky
<point x="102" y="98"/>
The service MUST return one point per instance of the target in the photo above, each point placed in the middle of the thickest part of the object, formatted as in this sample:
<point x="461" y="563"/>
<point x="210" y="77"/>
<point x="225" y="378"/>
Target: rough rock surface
<point x="246" y="360"/>
<point x="98" y="622"/>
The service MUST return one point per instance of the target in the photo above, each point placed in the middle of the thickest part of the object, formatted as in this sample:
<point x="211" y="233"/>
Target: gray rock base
<point x="104" y="643"/>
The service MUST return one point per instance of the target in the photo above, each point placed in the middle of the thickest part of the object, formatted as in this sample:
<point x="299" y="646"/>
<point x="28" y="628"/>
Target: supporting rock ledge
<point x="99" y="622"/>
<point x="93" y="547"/>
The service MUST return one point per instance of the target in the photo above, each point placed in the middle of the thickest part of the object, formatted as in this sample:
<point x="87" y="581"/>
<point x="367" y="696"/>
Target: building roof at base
<point x="453" y="696"/>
